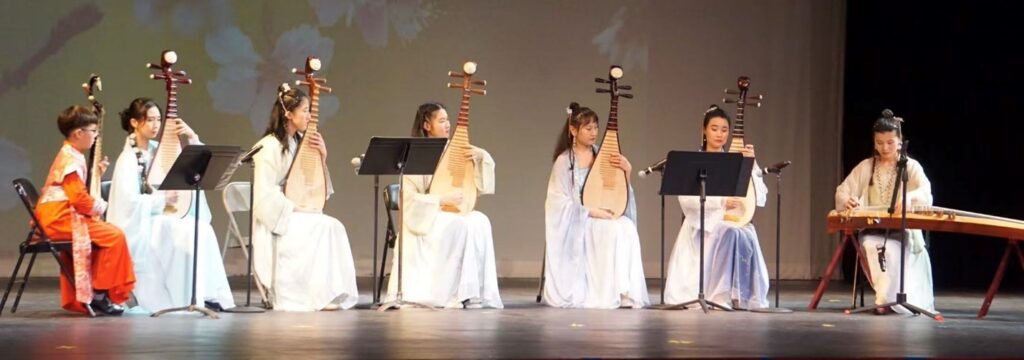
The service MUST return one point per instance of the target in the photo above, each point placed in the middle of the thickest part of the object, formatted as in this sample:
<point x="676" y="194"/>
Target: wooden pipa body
<point x="606" y="187"/>
<point x="455" y="170"/>
<point x="742" y="216"/>
<point x="306" y="184"/>
<point x="169" y="146"/>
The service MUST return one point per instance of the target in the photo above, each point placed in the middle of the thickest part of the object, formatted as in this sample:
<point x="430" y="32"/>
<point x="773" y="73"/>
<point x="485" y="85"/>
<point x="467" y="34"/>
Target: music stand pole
<point x="778" y="247"/>
<point x="398" y="301"/>
<point x="195" y="260"/>
<point x="248" y="308"/>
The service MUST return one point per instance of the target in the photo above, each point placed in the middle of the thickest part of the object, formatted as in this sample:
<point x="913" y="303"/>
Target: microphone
<point x="357" y="162"/>
<point x="777" y="168"/>
<point x="658" y="166"/>
<point x="247" y="157"/>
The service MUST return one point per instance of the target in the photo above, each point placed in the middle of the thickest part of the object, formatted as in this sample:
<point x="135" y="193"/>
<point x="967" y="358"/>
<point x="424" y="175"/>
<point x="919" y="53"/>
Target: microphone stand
<point x="901" y="296"/>
<point x="248" y="308"/>
<point x="778" y="247"/>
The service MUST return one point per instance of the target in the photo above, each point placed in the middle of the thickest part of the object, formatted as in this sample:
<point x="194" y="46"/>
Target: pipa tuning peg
<point x="603" y="91"/>
<point x="624" y="87"/>
<point x="600" y="80"/>
<point x="628" y="96"/>
<point x="480" y="82"/>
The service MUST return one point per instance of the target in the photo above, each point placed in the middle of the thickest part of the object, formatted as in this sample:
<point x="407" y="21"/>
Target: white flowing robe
<point x="919" y="267"/>
<point x="302" y="259"/>
<point x="589" y="262"/>
<point x="162" y="246"/>
<point x="734" y="267"/>
<point x="449" y="258"/>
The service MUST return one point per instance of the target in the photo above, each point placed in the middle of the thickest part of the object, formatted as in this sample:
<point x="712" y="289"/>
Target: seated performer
<point x="735" y="274"/>
<point x="592" y="259"/>
<point x="100" y="261"/>
<point x="448" y="257"/>
<point x="162" y="245"/>
<point x="871" y="184"/>
<point x="301" y="257"/>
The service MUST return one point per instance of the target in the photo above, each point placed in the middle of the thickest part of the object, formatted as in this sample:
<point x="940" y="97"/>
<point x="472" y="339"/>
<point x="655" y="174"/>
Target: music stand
<point x="200" y="167"/>
<point x="401" y="156"/>
<point x="687" y="173"/>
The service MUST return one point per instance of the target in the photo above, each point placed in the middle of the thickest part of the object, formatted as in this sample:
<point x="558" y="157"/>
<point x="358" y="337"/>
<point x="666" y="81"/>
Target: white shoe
<point x="474" y="303"/>
<point x="625" y="302"/>
<point x="331" y="307"/>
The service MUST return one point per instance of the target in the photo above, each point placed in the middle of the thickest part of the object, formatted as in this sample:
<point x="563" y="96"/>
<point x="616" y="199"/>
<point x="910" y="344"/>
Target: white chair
<point x="236" y="202"/>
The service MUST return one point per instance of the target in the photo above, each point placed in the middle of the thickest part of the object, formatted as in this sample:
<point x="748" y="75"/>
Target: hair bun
<point x="574" y="106"/>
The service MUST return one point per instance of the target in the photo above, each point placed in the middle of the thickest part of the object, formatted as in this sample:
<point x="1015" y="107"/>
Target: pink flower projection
<point x="623" y="42"/>
<point x="187" y="17"/>
<point x="375" y="18"/>
<point x="247" y="81"/>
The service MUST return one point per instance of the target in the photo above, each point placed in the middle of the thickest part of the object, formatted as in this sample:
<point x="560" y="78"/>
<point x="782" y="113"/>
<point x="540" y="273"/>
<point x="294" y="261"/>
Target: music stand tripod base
<point x="398" y="303"/>
<point x="245" y="310"/>
<point x="771" y="310"/>
<point x="190" y="308"/>
<point x="901" y="300"/>
<point x="704" y="304"/>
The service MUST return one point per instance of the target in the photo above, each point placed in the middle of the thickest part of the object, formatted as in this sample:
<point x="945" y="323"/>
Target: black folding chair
<point x="390" y="195"/>
<point x="36" y="242"/>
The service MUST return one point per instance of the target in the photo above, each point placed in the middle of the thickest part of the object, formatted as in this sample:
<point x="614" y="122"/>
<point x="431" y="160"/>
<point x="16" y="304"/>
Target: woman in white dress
<point x="301" y="257"/>
<point x="870" y="185"/>
<point x="592" y="259"/>
<point x="161" y="245"/>
<point x="448" y="257"/>
<point x="735" y="274"/>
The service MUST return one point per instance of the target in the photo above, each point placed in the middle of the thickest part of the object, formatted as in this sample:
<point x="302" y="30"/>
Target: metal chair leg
<point x="14" y="276"/>
<point x="21" y="289"/>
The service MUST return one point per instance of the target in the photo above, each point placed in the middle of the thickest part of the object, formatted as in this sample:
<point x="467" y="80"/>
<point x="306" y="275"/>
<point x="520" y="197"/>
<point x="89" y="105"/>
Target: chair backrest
<point x="29" y="196"/>
<point x="105" y="189"/>
<point x="236" y="202"/>
<point x="391" y="197"/>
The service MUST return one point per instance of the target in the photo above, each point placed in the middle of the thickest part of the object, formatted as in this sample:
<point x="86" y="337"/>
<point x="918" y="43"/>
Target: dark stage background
<point x="951" y="70"/>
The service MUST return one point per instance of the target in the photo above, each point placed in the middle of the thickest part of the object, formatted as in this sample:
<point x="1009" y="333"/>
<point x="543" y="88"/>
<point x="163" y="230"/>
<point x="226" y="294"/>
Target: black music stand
<point x="200" y="167"/>
<point x="687" y="173"/>
<point x="401" y="156"/>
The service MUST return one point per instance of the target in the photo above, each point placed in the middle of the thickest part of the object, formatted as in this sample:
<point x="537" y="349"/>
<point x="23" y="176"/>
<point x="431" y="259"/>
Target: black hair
<point x="712" y="112"/>
<point x="137" y="110"/>
<point x="76" y="117"/>
<point x="423" y="115"/>
<point x="287" y="100"/>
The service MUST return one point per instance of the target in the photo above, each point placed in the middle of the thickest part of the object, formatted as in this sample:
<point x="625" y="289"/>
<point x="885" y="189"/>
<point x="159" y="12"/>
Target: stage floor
<point x="523" y="329"/>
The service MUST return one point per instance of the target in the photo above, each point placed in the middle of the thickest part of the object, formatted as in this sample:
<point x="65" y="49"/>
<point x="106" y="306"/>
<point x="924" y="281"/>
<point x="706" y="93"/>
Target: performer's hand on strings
<point x="476" y="154"/>
<point x="733" y="203"/>
<point x="748" y="151"/>
<point x="104" y="164"/>
<point x="182" y="129"/>
<point x="171" y="196"/>
<point x="852" y="203"/>
<point x="600" y="214"/>
<point x="620" y="161"/>
<point x="452" y="198"/>
<point x="317" y="142"/>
